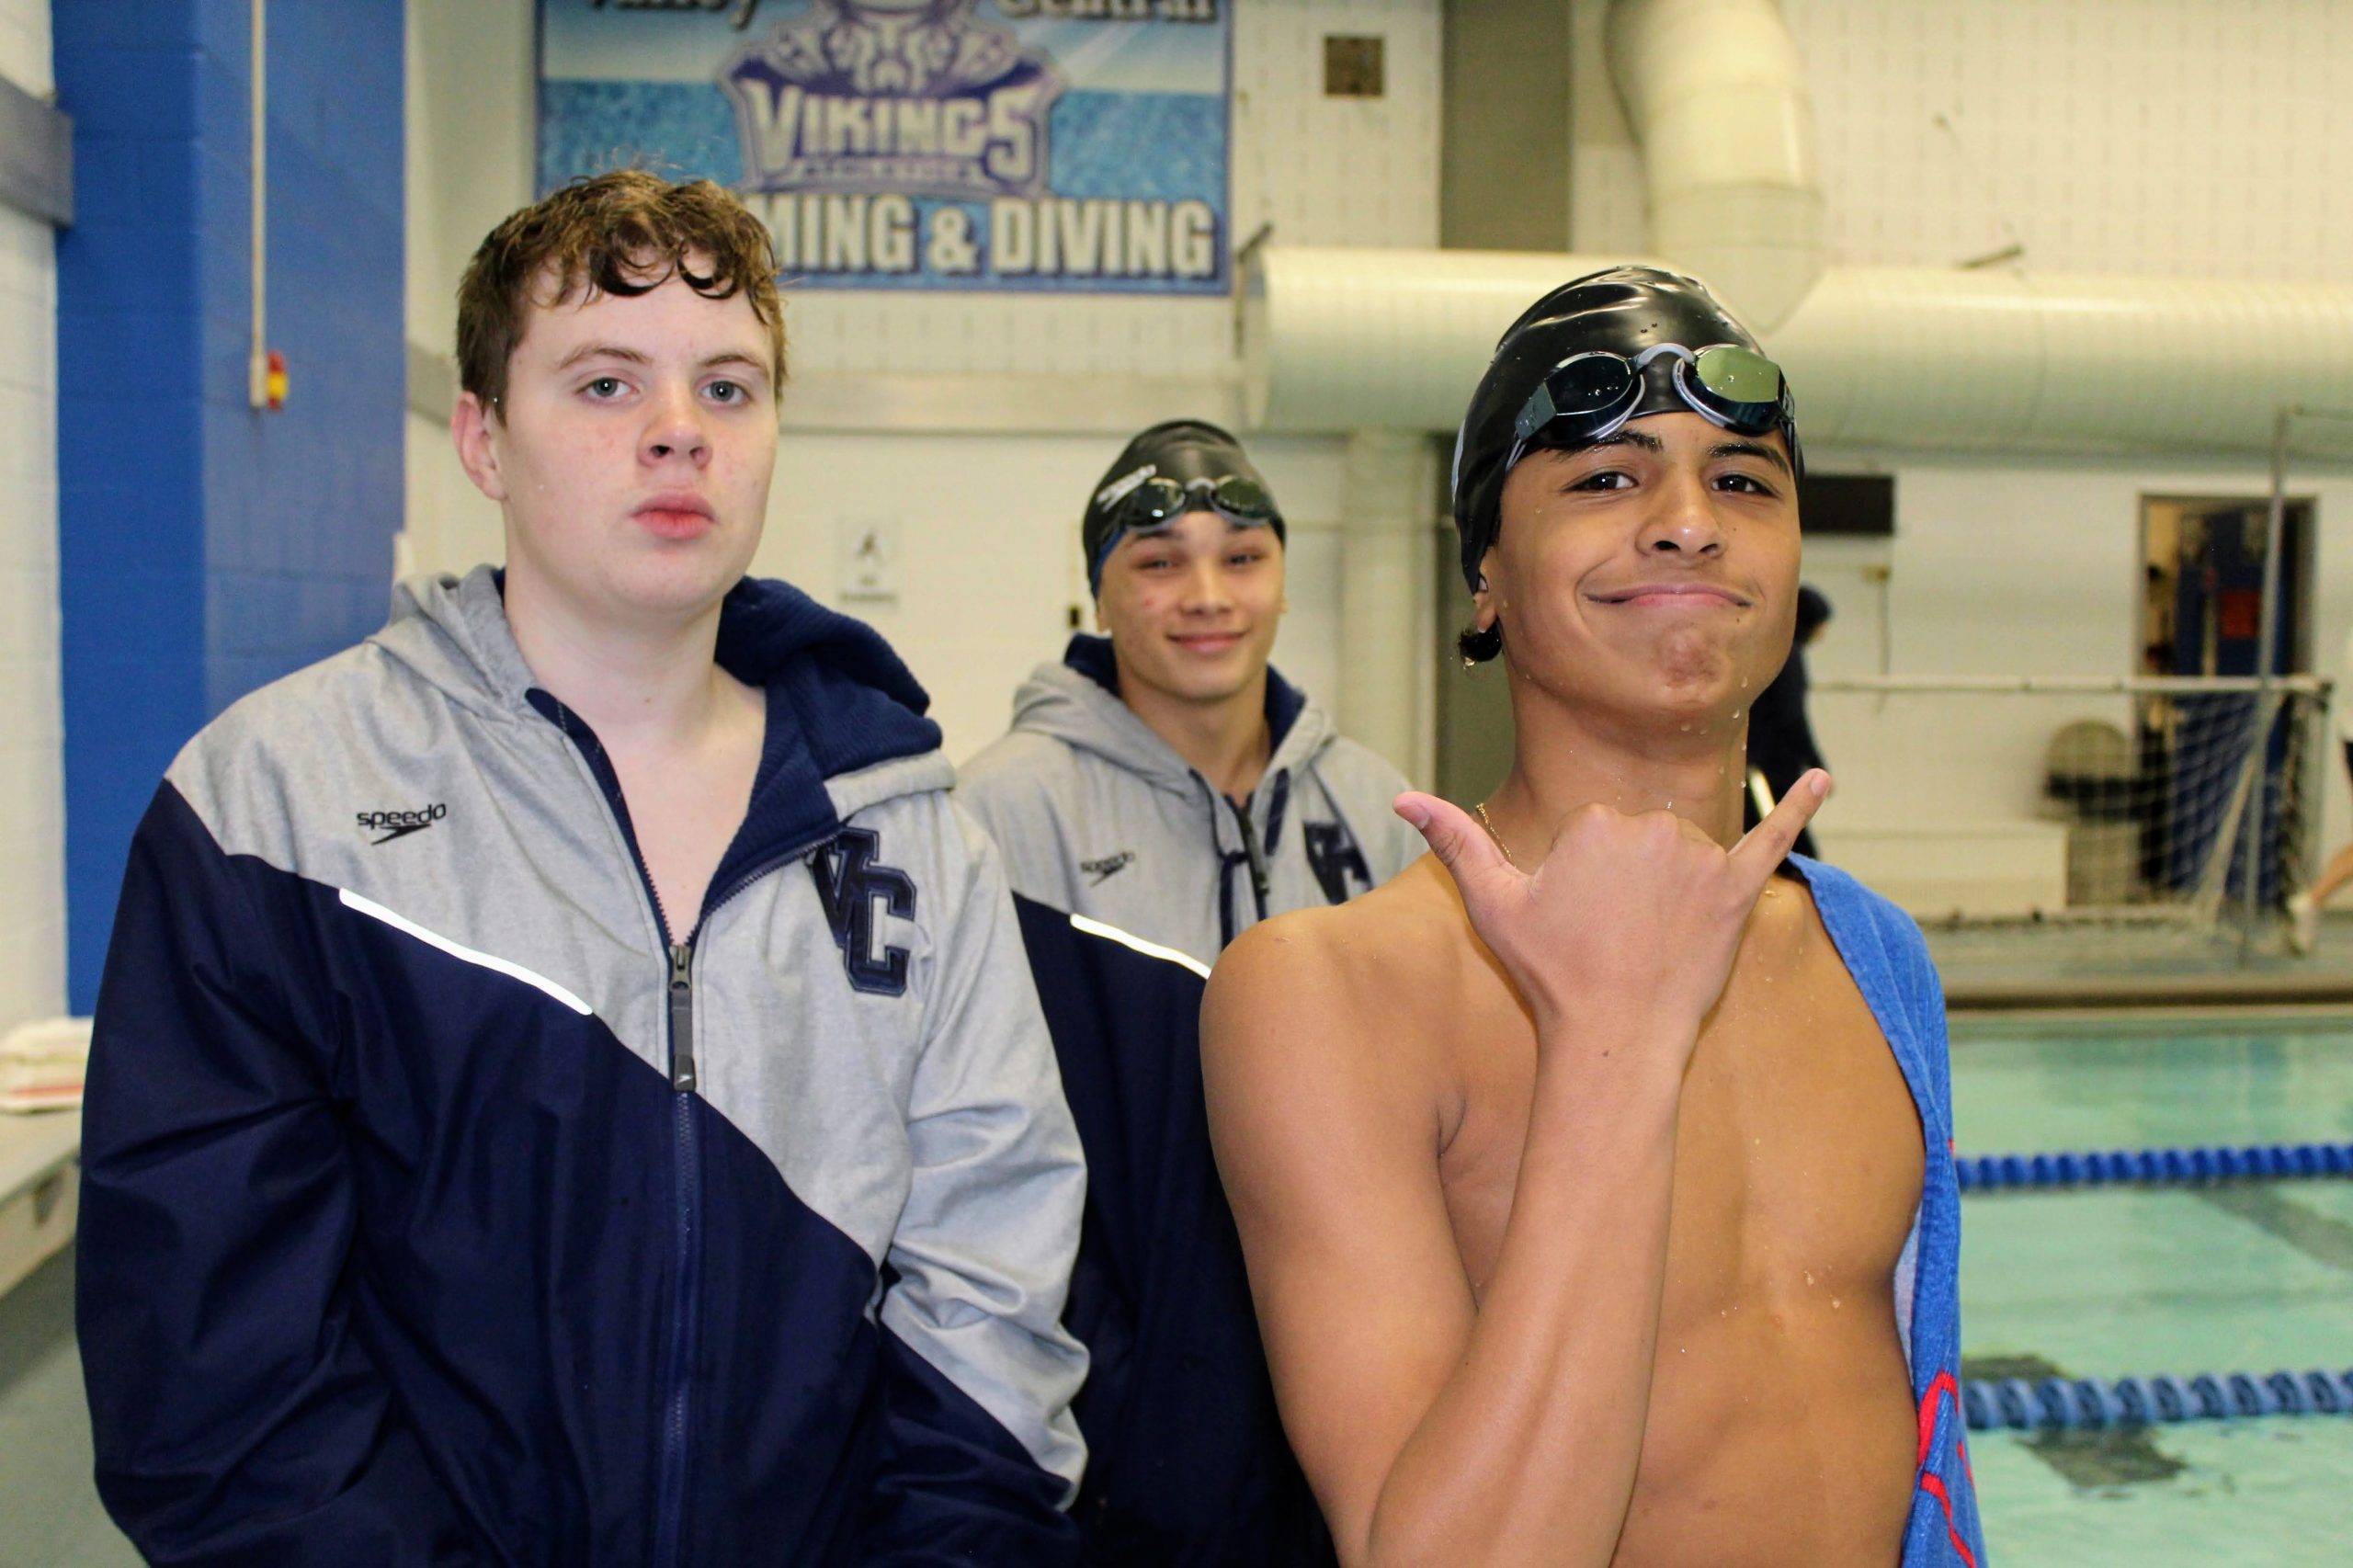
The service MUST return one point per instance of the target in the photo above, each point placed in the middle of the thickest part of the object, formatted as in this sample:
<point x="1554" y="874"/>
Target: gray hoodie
<point x="443" y="1199"/>
<point x="1098" y="816"/>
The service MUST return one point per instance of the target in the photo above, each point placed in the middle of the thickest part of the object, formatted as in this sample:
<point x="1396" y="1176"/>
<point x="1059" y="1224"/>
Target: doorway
<point x="2202" y="615"/>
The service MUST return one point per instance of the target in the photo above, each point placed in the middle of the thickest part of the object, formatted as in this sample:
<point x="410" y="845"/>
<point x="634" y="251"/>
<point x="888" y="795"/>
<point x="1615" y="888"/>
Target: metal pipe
<point x="1716" y="96"/>
<point x="2275" y="527"/>
<point x="257" y="357"/>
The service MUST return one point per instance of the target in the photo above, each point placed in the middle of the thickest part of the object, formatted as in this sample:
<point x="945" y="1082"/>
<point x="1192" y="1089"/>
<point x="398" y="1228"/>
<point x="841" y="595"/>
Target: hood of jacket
<point x="1077" y="702"/>
<point x="845" y="724"/>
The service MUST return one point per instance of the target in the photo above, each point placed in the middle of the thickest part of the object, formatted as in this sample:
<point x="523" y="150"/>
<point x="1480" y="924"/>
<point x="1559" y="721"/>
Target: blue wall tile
<point x="205" y="549"/>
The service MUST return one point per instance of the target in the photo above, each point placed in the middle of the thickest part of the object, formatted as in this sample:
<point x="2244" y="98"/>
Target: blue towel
<point x="1885" y="953"/>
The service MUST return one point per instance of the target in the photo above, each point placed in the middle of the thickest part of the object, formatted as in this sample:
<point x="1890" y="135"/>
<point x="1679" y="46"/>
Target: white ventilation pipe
<point x="2058" y="364"/>
<point x="1716" y="96"/>
<point x="1337" y="338"/>
<point x="1919" y="357"/>
<point x="1916" y="358"/>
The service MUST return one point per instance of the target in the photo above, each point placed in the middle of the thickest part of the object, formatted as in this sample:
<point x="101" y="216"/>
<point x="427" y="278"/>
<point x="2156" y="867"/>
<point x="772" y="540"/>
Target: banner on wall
<point x="1048" y="146"/>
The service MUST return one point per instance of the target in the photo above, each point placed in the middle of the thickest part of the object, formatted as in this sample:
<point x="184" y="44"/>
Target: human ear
<point x="1483" y="598"/>
<point x="471" y="429"/>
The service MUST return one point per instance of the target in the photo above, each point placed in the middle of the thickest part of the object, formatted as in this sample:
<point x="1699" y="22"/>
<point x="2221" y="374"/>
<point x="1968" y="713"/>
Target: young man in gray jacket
<point x="1163" y="788"/>
<point x="1165" y="778"/>
<point x="566" y="1086"/>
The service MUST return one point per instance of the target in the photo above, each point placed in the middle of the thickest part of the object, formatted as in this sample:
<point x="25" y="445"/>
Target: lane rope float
<point x="1990" y="1404"/>
<point x="2155" y="1168"/>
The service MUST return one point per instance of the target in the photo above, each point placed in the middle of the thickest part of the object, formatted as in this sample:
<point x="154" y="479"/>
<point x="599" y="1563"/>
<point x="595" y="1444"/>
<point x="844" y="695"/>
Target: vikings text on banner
<point x="1070" y="145"/>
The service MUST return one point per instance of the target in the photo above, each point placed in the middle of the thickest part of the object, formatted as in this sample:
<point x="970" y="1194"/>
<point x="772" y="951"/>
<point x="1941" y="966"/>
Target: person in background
<point x="1780" y="738"/>
<point x="566" y="1088"/>
<point x="2305" y="905"/>
<point x="1163" y="789"/>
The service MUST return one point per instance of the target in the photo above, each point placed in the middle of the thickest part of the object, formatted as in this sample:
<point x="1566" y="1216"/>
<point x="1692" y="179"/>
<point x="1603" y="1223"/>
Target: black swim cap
<point x="1192" y="454"/>
<point x="1622" y="310"/>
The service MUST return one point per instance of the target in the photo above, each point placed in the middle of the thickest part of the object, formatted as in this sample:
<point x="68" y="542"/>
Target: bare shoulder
<point x="1332" y="992"/>
<point x="1350" y="957"/>
<point x="1325" y="1062"/>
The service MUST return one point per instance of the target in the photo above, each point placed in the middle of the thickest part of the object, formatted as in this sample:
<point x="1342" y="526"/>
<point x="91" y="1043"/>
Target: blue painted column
<point x="206" y="548"/>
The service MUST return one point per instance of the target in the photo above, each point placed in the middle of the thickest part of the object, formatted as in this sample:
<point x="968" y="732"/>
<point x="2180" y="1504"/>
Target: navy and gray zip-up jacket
<point x="1130" y="874"/>
<point x="440" y="1204"/>
<point x="1098" y="816"/>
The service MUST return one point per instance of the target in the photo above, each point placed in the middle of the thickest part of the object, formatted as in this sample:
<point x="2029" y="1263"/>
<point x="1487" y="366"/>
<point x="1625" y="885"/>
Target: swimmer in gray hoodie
<point x="1164" y="779"/>
<point x="1162" y="790"/>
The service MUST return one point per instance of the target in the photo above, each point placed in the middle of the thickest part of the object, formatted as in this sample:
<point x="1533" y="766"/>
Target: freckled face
<point x="1192" y="608"/>
<point x="1654" y="574"/>
<point x="633" y="450"/>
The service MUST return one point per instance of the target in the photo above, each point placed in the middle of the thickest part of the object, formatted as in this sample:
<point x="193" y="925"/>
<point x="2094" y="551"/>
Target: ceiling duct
<point x="1716" y="98"/>
<point x="1909" y="357"/>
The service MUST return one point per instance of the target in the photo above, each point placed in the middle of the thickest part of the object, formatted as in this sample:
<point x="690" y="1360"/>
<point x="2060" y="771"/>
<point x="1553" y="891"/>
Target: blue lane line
<point x="2131" y="1401"/>
<point x="2155" y="1168"/>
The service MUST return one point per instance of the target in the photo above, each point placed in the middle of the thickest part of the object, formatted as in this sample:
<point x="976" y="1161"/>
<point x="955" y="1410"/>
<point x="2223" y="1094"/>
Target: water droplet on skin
<point x="1809" y="1275"/>
<point x="1833" y="1302"/>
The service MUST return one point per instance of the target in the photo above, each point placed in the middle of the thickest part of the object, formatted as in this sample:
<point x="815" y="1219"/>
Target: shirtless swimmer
<point x="1595" y="1174"/>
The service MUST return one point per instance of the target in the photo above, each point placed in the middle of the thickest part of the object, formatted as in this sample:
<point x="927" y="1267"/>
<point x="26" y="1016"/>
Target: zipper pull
<point x="682" y="1017"/>
<point x="1260" y="883"/>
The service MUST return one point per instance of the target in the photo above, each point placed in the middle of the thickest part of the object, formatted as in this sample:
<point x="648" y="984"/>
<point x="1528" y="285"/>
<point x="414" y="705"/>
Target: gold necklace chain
<point x="1488" y="823"/>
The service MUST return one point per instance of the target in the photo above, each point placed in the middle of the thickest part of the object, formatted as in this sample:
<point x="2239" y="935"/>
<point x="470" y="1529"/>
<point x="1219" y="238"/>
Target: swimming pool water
<point x="2108" y="1282"/>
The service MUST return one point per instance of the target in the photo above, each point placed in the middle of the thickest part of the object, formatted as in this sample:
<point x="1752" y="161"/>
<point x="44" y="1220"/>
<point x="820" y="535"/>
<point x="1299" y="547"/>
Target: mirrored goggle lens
<point x="1587" y="390"/>
<point x="1741" y="384"/>
<point x="1159" y="501"/>
<point x="1151" y="504"/>
<point x="1243" y="499"/>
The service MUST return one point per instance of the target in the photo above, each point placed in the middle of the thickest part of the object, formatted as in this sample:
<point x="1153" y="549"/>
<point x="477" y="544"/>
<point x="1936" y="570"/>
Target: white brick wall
<point x="2172" y="138"/>
<point x="32" y="812"/>
<point x="2179" y="138"/>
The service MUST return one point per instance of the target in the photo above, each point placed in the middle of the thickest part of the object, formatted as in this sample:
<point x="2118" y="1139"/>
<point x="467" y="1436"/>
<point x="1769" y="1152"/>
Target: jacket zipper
<point x="682" y="1016"/>
<point x="687" y="1215"/>
<point x="687" y="1211"/>
<point x="1260" y="885"/>
<point x="670" y="1503"/>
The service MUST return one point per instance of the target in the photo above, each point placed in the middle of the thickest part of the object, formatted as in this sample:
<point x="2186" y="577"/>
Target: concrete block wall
<point x="32" y="808"/>
<point x="207" y="548"/>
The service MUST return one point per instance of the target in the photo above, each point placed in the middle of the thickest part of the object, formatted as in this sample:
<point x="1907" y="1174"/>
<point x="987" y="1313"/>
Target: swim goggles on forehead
<point x="1142" y="505"/>
<point x="1588" y="396"/>
<point x="1157" y="500"/>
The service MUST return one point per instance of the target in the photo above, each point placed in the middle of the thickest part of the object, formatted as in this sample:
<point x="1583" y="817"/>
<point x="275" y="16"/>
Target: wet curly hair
<point x="624" y="232"/>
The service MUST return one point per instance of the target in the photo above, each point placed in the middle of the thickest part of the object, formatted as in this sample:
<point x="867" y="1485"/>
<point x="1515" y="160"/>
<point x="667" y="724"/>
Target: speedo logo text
<point x="1109" y="866"/>
<point x="400" y="824"/>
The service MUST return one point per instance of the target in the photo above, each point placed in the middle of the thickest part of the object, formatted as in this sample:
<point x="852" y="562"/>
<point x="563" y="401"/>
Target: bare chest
<point x="1799" y="1151"/>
